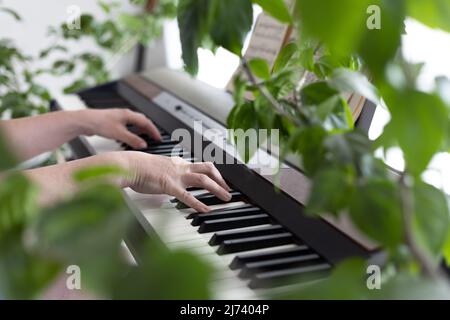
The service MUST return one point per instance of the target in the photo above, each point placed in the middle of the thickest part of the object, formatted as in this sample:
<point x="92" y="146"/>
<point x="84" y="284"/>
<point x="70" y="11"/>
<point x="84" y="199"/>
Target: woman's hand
<point x="112" y="124"/>
<point x="162" y="175"/>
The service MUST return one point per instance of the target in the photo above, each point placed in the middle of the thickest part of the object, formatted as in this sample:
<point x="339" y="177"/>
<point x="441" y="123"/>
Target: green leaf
<point x="99" y="172"/>
<point x="23" y="275"/>
<point x="96" y="218"/>
<point x="18" y="201"/>
<point x="260" y="68"/>
<point x="232" y="21"/>
<point x="338" y="24"/>
<point x="46" y="52"/>
<point x="404" y="286"/>
<point x="345" y="80"/>
<point x="350" y="274"/>
<point x="375" y="209"/>
<point x="446" y="250"/>
<point x="431" y="218"/>
<point x="308" y="142"/>
<point x="284" y="57"/>
<point x="12" y="13"/>
<point x="419" y="121"/>
<point x="433" y="13"/>
<point x="335" y="114"/>
<point x="193" y="21"/>
<point x="7" y="160"/>
<point x="76" y="86"/>
<point x="167" y="275"/>
<point x="317" y="93"/>
<point x="331" y="191"/>
<point x="276" y="8"/>
<point x="348" y="149"/>
<point x="379" y="46"/>
<point x="245" y="134"/>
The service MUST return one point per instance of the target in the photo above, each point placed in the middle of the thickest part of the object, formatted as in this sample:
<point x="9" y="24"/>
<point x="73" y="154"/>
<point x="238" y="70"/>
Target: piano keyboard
<point x="253" y="253"/>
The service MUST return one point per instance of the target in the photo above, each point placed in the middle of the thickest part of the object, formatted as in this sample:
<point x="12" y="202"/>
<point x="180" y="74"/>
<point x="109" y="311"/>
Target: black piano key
<point x="210" y="199"/>
<point x="240" y="260"/>
<point x="253" y="243"/>
<point x="108" y="103"/>
<point x="190" y="189"/>
<point x="194" y="214"/>
<point x="289" y="276"/>
<point x="169" y="152"/>
<point x="278" y="264"/>
<point x="221" y="236"/>
<point x="234" y="223"/>
<point x="162" y="148"/>
<point x="199" y="218"/>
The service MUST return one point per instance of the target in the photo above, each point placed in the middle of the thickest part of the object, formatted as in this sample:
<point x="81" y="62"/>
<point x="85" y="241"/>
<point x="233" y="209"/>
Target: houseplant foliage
<point x="116" y="35"/>
<point x="20" y="93"/>
<point x="406" y="216"/>
<point x="37" y="244"/>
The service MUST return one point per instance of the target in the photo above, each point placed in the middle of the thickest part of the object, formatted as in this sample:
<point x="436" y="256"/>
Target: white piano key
<point x="70" y="102"/>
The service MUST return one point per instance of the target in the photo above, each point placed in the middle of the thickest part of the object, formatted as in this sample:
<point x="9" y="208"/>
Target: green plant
<point x="116" y="35"/>
<point x="406" y="216"/>
<point x="37" y="245"/>
<point x="20" y="94"/>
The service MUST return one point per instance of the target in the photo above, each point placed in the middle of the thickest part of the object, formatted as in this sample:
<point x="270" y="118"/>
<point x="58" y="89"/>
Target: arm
<point x="34" y="135"/>
<point x="150" y="174"/>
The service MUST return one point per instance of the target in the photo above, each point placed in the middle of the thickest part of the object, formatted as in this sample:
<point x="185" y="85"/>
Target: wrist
<point x="83" y="122"/>
<point x="127" y="160"/>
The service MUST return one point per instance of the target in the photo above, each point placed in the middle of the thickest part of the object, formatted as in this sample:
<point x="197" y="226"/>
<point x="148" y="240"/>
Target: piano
<point x="260" y="242"/>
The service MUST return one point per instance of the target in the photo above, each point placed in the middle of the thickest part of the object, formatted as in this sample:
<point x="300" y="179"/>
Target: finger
<point x="131" y="139"/>
<point x="203" y="181"/>
<point x="145" y="124"/>
<point x="189" y="200"/>
<point x="209" y="169"/>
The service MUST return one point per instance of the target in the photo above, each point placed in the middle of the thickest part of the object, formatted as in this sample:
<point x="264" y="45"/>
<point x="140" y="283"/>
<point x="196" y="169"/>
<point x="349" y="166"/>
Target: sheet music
<point x="267" y="39"/>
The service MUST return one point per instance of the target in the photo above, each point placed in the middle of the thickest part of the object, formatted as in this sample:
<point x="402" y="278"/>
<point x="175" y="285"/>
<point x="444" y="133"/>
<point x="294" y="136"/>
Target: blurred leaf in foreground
<point x="164" y="274"/>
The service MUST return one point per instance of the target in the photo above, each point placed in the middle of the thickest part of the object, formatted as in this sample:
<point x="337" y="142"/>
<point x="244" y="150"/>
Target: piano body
<point x="259" y="241"/>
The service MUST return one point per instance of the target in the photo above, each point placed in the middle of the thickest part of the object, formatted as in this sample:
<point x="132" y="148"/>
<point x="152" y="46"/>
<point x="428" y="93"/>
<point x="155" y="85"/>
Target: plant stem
<point x="263" y="90"/>
<point x="302" y="79"/>
<point x="407" y="204"/>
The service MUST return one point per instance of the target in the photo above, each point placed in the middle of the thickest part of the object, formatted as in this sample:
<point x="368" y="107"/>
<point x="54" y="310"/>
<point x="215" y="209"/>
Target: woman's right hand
<point x="153" y="174"/>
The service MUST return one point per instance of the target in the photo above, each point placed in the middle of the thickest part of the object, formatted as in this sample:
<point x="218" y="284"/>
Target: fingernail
<point x="143" y="145"/>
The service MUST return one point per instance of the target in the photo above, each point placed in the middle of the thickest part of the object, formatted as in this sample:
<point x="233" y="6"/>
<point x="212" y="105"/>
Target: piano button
<point x="240" y="207"/>
<point x="277" y="264"/>
<point x="252" y="243"/>
<point x="234" y="223"/>
<point x="210" y="199"/>
<point x="221" y="236"/>
<point x="240" y="260"/>
<point x="289" y="276"/>
<point x="200" y="218"/>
